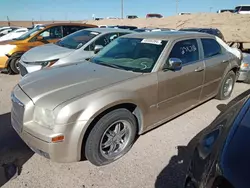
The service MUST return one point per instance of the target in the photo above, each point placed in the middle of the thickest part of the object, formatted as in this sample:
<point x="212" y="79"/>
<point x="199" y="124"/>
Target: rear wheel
<point x="227" y="86"/>
<point x="14" y="65"/>
<point x="111" y="137"/>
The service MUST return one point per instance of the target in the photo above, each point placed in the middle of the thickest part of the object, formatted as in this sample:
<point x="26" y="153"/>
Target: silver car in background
<point x="245" y="69"/>
<point x="75" y="47"/>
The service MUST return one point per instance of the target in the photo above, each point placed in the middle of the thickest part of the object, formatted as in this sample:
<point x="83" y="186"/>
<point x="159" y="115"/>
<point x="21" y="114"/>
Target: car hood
<point x="51" y="87"/>
<point x="12" y="42"/>
<point x="46" y="52"/>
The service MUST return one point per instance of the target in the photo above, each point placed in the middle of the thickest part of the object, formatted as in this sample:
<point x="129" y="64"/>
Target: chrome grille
<point x="17" y="113"/>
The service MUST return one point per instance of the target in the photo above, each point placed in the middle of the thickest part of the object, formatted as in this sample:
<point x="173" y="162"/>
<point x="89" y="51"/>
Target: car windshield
<point x="131" y="54"/>
<point x="77" y="40"/>
<point x="29" y="33"/>
<point x="190" y="29"/>
<point x="242" y="8"/>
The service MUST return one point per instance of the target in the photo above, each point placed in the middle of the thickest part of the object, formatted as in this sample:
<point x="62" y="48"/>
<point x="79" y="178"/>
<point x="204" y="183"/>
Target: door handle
<point x="199" y="69"/>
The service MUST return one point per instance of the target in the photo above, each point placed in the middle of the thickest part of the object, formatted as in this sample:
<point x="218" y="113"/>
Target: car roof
<point x="166" y="35"/>
<point x="108" y="30"/>
<point x="198" y="28"/>
<point x="65" y="23"/>
<point x="243" y="5"/>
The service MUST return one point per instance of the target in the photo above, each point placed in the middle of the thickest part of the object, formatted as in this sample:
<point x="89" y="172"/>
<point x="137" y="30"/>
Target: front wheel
<point x="111" y="137"/>
<point x="227" y="86"/>
<point x="14" y="65"/>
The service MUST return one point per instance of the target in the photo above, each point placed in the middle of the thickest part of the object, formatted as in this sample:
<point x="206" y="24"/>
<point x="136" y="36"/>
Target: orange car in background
<point x="12" y="50"/>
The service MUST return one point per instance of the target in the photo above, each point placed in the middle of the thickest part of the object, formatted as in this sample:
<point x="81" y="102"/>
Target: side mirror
<point x="39" y="38"/>
<point x="174" y="64"/>
<point x="97" y="48"/>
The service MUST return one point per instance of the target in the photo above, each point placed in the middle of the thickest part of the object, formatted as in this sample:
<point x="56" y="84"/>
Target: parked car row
<point x="12" y="50"/>
<point x="79" y="46"/>
<point x="136" y="81"/>
<point x="61" y="52"/>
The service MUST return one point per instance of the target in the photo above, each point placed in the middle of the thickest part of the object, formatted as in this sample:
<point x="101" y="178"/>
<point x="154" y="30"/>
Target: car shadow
<point x="173" y="175"/>
<point x="13" y="151"/>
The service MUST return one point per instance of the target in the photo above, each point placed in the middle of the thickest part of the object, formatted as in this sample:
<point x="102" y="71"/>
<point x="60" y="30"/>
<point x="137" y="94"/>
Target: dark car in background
<point x="212" y="31"/>
<point x="123" y="27"/>
<point x="132" y="17"/>
<point x="221" y="159"/>
<point x="154" y="16"/>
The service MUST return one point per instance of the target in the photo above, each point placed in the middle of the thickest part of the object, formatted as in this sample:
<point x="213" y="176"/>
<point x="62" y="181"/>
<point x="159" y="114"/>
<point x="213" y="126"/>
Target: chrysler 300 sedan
<point x="137" y="82"/>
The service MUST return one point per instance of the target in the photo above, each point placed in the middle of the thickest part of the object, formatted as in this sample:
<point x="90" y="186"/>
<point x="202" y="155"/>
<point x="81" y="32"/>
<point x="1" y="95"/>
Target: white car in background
<point x="6" y="30"/>
<point x="14" y="34"/>
<point x="242" y="9"/>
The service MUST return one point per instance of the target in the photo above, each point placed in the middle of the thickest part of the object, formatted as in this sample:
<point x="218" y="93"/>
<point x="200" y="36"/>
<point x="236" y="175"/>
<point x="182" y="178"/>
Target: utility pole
<point x="177" y="5"/>
<point x="122" y="9"/>
<point x="8" y="20"/>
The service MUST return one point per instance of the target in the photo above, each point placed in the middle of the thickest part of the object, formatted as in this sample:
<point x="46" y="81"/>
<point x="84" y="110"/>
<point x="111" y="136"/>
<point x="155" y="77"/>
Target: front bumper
<point x="3" y="62"/>
<point x="244" y="75"/>
<point x="27" y="68"/>
<point x="39" y="138"/>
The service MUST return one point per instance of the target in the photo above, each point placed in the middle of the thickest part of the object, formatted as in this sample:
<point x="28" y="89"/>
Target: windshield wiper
<point x="111" y="65"/>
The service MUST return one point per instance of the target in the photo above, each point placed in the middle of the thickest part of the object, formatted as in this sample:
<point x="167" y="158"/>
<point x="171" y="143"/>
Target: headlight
<point x="5" y="49"/>
<point x="44" y="117"/>
<point x="44" y="63"/>
<point x="244" y="65"/>
<point x="49" y="63"/>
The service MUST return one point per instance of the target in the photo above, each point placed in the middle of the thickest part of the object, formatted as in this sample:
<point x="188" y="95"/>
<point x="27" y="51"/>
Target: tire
<point x="223" y="95"/>
<point x="14" y="65"/>
<point x="96" y="148"/>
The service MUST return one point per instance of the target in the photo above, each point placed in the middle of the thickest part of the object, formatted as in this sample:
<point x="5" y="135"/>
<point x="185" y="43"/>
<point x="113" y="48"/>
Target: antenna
<point x="177" y="5"/>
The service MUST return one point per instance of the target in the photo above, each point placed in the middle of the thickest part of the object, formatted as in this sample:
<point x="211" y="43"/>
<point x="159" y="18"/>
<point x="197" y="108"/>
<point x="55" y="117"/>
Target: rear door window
<point x="52" y="33"/>
<point x="71" y="29"/>
<point x="187" y="51"/>
<point x="103" y="41"/>
<point x="211" y="48"/>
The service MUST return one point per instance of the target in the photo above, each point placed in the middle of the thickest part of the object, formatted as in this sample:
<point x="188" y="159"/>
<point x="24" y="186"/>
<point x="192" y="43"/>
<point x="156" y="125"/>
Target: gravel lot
<point x="158" y="158"/>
